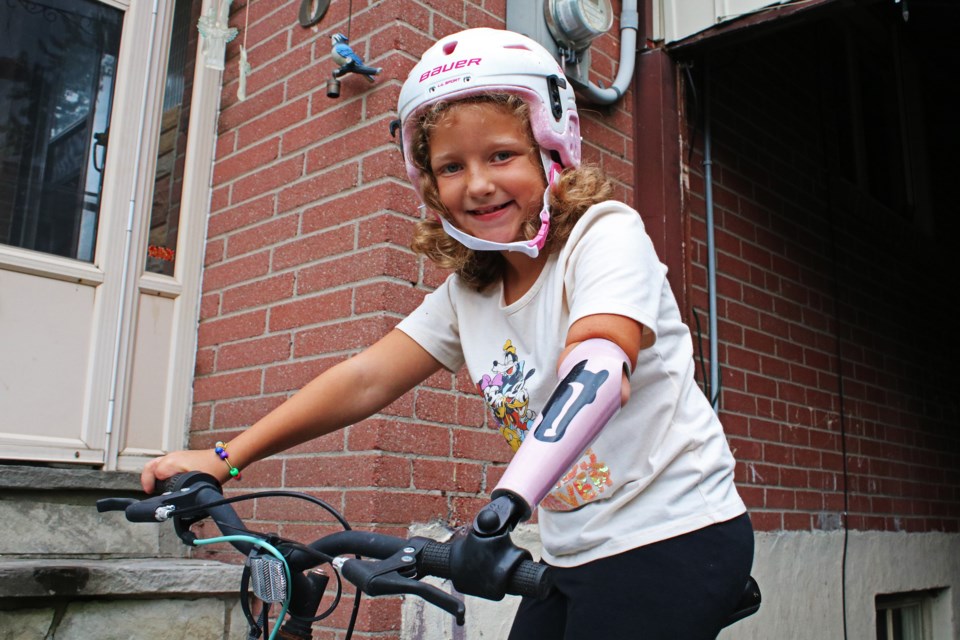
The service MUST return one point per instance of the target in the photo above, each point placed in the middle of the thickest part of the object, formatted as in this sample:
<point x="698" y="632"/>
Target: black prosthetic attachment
<point x="485" y="558"/>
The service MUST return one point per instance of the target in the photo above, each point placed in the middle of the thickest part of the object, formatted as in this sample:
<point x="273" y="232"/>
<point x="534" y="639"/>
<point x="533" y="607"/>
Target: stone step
<point x="120" y="600"/>
<point x="70" y="578"/>
<point x="51" y="512"/>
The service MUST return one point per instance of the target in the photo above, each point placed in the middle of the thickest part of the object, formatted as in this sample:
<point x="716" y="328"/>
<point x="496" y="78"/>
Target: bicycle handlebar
<point x="397" y="566"/>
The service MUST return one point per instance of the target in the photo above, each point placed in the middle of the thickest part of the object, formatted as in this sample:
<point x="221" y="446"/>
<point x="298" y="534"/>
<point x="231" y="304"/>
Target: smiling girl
<point x="617" y="448"/>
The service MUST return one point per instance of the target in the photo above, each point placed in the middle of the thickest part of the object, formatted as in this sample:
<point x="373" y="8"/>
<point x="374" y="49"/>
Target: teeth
<point x="486" y="210"/>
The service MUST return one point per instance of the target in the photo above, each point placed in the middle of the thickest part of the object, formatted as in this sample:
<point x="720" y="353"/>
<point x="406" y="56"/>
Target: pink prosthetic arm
<point x="587" y="396"/>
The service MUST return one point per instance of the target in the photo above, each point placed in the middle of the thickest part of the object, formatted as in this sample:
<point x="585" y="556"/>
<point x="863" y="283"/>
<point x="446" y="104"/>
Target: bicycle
<point x="282" y="571"/>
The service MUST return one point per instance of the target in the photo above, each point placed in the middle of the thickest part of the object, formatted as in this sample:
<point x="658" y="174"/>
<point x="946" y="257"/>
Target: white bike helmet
<point x="478" y="61"/>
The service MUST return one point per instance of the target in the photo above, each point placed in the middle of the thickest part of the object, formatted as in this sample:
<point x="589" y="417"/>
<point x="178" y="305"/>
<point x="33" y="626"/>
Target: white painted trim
<point x="157" y="284"/>
<point x="50" y="266"/>
<point x="185" y="285"/>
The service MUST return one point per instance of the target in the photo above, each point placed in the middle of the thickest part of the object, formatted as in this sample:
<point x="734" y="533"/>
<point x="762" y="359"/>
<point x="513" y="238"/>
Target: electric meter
<point x="575" y="23"/>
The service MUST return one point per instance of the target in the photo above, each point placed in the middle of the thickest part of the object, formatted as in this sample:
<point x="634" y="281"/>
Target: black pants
<point x="678" y="589"/>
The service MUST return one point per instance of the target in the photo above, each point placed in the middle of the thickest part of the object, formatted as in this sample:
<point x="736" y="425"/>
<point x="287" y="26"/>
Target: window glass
<point x="903" y="616"/>
<point x="57" y="66"/>
<point x="168" y="180"/>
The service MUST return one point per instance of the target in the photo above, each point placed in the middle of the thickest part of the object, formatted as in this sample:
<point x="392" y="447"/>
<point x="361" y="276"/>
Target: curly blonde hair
<point x="576" y="190"/>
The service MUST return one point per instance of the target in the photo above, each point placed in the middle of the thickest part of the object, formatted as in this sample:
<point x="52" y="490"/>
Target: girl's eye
<point x="501" y="156"/>
<point x="448" y="169"/>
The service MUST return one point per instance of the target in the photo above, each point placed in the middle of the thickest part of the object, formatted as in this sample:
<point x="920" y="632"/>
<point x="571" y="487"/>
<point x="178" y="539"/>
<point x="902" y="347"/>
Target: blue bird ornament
<point x="344" y="55"/>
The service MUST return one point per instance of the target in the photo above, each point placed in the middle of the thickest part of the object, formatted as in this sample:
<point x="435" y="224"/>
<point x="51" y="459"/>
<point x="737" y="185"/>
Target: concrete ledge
<point x="34" y="478"/>
<point x="128" y="578"/>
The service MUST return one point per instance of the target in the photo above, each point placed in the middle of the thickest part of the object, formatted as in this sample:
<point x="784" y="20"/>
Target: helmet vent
<point x="449" y="47"/>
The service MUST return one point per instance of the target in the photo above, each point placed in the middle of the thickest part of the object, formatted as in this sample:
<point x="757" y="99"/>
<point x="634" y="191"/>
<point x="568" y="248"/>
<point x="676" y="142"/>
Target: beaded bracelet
<point x="221" y="450"/>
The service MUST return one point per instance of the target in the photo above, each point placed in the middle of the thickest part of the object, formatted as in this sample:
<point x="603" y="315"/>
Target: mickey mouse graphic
<point x="504" y="390"/>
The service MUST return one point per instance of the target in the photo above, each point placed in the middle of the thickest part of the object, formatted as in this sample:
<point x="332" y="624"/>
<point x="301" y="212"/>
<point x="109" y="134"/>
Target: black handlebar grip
<point x="165" y="486"/>
<point x="435" y="559"/>
<point x="186" y="479"/>
<point x="531" y="579"/>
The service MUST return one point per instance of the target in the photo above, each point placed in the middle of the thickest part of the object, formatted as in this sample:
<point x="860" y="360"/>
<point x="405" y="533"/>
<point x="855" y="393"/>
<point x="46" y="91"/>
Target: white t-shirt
<point x="661" y="467"/>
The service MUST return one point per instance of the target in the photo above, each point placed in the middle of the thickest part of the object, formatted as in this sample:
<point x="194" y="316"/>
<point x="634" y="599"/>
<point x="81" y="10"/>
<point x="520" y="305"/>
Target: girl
<point x="562" y="314"/>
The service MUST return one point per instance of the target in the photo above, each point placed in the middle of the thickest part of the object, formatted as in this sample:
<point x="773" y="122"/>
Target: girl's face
<point x="488" y="174"/>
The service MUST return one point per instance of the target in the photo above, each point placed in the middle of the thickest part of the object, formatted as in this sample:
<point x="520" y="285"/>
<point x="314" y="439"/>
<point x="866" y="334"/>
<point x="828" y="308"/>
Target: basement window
<point x="905" y="616"/>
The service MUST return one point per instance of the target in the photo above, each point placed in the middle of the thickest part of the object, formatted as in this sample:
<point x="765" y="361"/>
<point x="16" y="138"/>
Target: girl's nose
<point x="478" y="182"/>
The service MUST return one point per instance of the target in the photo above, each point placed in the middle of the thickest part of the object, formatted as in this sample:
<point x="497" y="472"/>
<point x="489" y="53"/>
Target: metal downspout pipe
<point x="711" y="246"/>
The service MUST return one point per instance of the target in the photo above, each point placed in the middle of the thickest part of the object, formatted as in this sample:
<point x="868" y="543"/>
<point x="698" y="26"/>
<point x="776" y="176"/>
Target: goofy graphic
<point x="505" y="391"/>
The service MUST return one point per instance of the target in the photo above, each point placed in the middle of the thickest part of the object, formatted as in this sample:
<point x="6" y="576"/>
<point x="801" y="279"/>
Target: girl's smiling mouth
<point x="489" y="211"/>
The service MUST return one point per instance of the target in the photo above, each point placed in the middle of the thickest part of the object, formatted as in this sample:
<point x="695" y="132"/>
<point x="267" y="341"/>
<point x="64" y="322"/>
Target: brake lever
<point x="391" y="576"/>
<point x="431" y="594"/>
<point x="152" y="509"/>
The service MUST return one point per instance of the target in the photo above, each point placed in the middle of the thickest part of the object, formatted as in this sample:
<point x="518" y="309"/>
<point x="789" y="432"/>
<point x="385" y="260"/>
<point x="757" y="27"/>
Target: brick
<point x="400" y="437"/>
<point x="348" y="471"/>
<point x="446" y="476"/>
<point x="385" y="163"/>
<point x="352" y="334"/>
<point x="294" y="375"/>
<point x="347" y="206"/>
<point x="246" y="160"/>
<point x="432" y="406"/>
<point x="317" y="186"/>
<point x="400" y="298"/>
<point x="242" y="215"/>
<point x="232" y="328"/>
<point x="235" y="115"/>
<point x="487" y="445"/>
<point x="279" y="66"/>
<point x="332" y="442"/>
<point x="214" y="252"/>
<point x="262" y="475"/>
<point x="258" y="293"/>
<point x="261" y="236"/>
<point x="243" y="412"/>
<point x="332" y="147"/>
<point x="357" y="268"/>
<point x="797" y="522"/>
<point x="273" y="122"/>
<point x="200" y="419"/>
<point x="778" y="311"/>
<point x="311" y="248"/>
<point x="293" y="510"/>
<point x="310" y="310"/>
<point x="392" y="229"/>
<point x="388" y="506"/>
<point x="228" y="273"/>
<point x="249" y="353"/>
<point x="280" y="174"/>
<point x="227" y="385"/>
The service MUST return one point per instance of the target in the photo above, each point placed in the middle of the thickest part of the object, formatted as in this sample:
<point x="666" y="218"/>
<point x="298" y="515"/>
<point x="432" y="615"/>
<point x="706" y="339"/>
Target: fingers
<point x="148" y="479"/>
<point x="176" y="462"/>
<point x="161" y="469"/>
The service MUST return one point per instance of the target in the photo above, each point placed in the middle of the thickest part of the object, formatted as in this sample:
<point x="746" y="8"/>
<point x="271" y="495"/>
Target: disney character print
<point x="504" y="389"/>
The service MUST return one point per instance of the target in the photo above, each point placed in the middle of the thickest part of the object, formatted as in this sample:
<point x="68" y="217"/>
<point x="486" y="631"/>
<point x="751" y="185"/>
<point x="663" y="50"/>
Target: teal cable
<point x="273" y="551"/>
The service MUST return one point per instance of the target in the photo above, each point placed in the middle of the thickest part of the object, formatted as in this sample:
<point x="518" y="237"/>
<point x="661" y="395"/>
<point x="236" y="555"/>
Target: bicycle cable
<point x="273" y="551"/>
<point x="325" y="558"/>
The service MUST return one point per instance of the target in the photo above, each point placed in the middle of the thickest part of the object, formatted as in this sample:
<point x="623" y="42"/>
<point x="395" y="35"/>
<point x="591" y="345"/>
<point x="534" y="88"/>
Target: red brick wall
<point x="831" y="322"/>
<point x="307" y="263"/>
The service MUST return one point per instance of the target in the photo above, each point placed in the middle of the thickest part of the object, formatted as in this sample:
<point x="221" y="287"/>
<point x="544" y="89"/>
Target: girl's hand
<point x="204" y="460"/>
